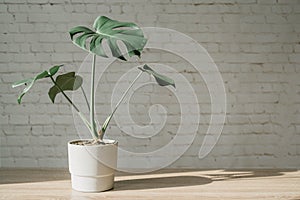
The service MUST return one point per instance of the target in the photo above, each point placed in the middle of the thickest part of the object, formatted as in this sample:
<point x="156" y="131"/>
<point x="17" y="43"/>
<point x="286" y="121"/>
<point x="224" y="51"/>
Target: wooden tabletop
<point x="36" y="184"/>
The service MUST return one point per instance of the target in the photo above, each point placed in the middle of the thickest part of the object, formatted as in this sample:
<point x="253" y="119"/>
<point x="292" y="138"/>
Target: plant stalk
<point x="92" y="100"/>
<point x="85" y="97"/>
<point x="103" y="129"/>
<point x="74" y="106"/>
<point x="125" y="93"/>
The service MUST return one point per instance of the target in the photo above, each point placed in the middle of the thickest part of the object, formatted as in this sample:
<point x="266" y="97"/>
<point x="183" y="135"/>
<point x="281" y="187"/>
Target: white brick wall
<point x="255" y="44"/>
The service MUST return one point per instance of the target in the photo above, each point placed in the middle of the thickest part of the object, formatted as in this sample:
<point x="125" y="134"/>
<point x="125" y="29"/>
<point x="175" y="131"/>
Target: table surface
<point x="36" y="184"/>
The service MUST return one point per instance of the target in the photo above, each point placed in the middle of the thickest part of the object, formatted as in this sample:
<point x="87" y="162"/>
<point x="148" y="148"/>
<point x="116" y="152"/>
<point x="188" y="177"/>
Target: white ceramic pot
<point x="92" y="167"/>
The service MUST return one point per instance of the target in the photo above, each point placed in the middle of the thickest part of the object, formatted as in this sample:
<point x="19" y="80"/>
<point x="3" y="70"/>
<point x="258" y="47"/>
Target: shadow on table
<point x="9" y="176"/>
<point x="186" y="179"/>
<point x="244" y="174"/>
<point x="160" y="182"/>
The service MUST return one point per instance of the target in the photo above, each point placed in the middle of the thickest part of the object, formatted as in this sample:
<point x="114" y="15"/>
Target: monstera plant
<point x="96" y="176"/>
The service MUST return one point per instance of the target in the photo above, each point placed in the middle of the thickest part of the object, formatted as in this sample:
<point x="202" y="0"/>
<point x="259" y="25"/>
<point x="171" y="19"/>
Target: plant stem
<point x="102" y="132"/>
<point x="74" y="106"/>
<point x="92" y="100"/>
<point x="86" y="100"/>
<point x="125" y="93"/>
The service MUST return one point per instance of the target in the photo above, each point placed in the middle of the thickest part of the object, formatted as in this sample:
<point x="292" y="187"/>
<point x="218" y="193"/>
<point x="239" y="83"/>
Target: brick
<point x="294" y="19"/>
<point x="40" y="119"/>
<point x="54" y="8"/>
<point x="103" y="8"/>
<point x="282" y="9"/>
<point x="294" y="58"/>
<point x="21" y="17"/>
<point x="38" y="17"/>
<point x="25" y="162"/>
<point x="3" y="119"/>
<point x="275" y="19"/>
<point x="38" y="1"/>
<point x="18" y="119"/>
<point x="26" y="28"/>
<point x="3" y="8"/>
<point x="255" y="19"/>
<point x="6" y="17"/>
<point x="52" y="162"/>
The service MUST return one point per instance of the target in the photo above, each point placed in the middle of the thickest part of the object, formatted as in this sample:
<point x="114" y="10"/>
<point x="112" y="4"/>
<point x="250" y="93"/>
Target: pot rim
<point x="107" y="142"/>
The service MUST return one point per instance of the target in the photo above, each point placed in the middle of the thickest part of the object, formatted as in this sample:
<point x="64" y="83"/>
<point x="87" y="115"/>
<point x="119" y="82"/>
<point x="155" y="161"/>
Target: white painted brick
<point x="6" y="17"/>
<point x="294" y="58"/>
<point x="278" y="58"/>
<point x="296" y="8"/>
<point x="63" y="119"/>
<point x="42" y="47"/>
<point x="282" y="9"/>
<point x="254" y="43"/>
<point x="3" y="8"/>
<point x="22" y="152"/>
<point x="40" y="119"/>
<point x="61" y="57"/>
<point x="103" y="8"/>
<point x="297" y="48"/>
<point x="3" y="119"/>
<point x="26" y="28"/>
<point x="90" y="8"/>
<point x="48" y="8"/>
<point x="257" y="19"/>
<point x="261" y="9"/>
<point x="18" y="119"/>
<point x="21" y="17"/>
<point x="52" y="163"/>
<point x="275" y="19"/>
<point x="25" y="162"/>
<point x="16" y="141"/>
<point x="38" y="1"/>
<point x="5" y="152"/>
<point x="266" y="2"/>
<point x="288" y="2"/>
<point x="38" y="17"/>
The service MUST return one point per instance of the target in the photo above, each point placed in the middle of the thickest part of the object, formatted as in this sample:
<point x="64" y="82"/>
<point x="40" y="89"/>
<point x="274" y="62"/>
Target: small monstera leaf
<point x="65" y="82"/>
<point x="162" y="80"/>
<point x="112" y="31"/>
<point x="30" y="82"/>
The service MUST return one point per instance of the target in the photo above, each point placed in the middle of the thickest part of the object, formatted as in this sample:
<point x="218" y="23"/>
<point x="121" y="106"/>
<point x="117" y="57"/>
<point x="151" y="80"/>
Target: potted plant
<point x="92" y="161"/>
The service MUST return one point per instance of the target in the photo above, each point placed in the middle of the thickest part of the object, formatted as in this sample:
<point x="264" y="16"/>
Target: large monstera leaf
<point x="64" y="82"/>
<point x="112" y="31"/>
<point x="30" y="82"/>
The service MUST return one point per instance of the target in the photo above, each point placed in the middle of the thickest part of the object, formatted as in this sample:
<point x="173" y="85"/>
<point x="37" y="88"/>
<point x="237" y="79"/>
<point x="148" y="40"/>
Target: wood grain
<point x="166" y="184"/>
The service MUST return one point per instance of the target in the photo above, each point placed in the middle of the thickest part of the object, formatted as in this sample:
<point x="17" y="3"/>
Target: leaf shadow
<point x="160" y="182"/>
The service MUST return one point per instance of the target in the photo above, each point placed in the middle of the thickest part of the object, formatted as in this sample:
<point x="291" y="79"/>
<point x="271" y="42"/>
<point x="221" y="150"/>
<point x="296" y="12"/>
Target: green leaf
<point x="162" y="80"/>
<point x="112" y="31"/>
<point x="65" y="82"/>
<point x="53" y="70"/>
<point x="30" y="82"/>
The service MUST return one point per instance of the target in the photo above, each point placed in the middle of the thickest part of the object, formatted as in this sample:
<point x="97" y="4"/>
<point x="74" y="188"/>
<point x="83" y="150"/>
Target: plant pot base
<point x="92" y="167"/>
<point x="92" y="184"/>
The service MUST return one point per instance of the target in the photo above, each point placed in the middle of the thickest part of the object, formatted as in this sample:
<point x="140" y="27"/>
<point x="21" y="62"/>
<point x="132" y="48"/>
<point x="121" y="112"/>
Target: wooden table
<point x="36" y="184"/>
